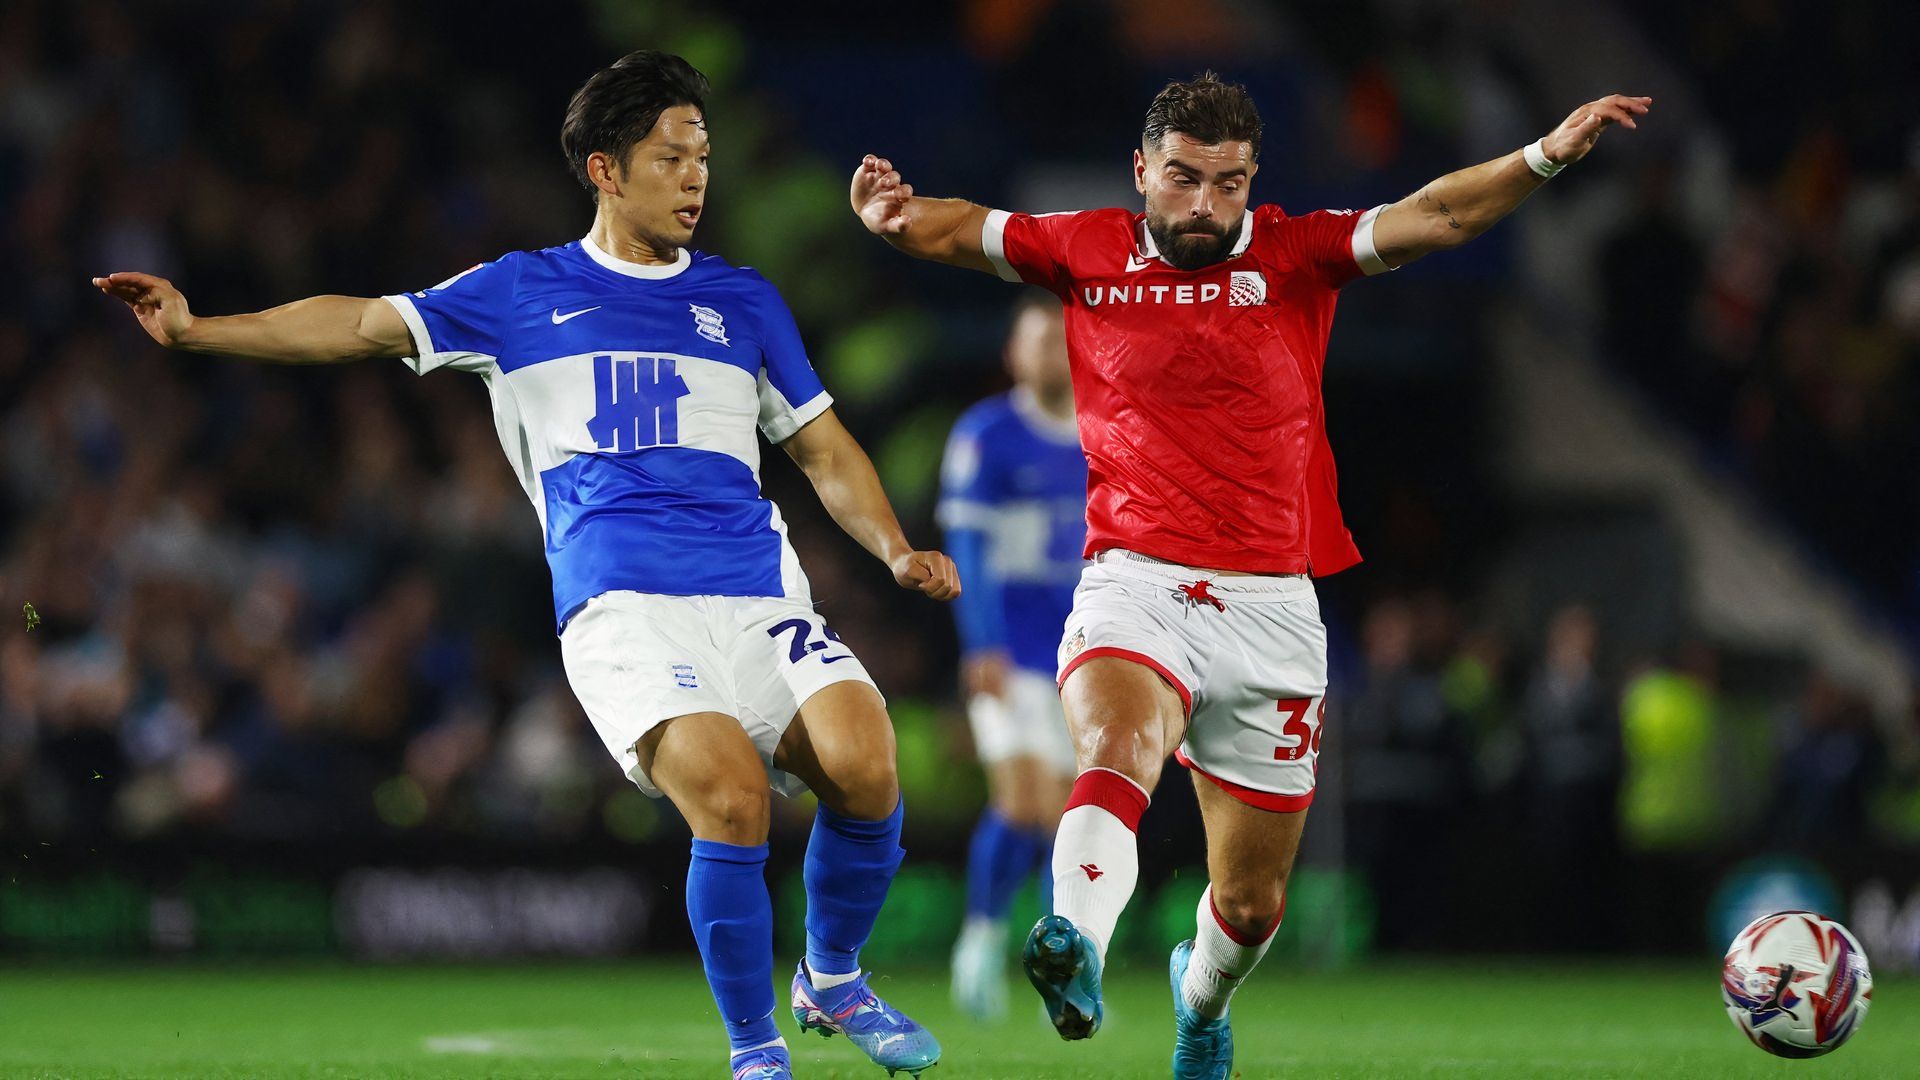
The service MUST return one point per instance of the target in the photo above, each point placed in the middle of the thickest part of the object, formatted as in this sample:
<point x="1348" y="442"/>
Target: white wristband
<point x="1536" y="154"/>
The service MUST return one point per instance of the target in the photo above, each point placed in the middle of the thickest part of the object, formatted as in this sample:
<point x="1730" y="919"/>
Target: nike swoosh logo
<point x="832" y="659"/>
<point x="559" y="318"/>
<point x="1135" y="262"/>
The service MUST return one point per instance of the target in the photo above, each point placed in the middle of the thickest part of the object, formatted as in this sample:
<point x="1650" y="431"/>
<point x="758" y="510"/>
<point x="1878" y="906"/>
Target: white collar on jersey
<point x="636" y="270"/>
<point x="1152" y="251"/>
<point x="1044" y="424"/>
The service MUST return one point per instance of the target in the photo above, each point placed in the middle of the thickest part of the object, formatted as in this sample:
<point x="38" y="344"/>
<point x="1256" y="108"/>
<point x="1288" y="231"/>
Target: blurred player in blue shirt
<point x="1013" y="504"/>
<point x="628" y="374"/>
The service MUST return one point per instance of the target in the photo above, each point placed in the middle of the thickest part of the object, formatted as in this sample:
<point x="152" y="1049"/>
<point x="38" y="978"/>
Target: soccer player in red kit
<point x="1197" y="332"/>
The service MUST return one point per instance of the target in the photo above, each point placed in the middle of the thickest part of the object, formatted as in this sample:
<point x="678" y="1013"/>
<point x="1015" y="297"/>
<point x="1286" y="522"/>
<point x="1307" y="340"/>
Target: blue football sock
<point x="998" y="862"/>
<point x="732" y="918"/>
<point x="849" y="865"/>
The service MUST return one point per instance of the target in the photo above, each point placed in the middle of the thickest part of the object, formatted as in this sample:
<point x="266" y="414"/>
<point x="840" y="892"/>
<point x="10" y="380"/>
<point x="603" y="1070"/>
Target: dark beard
<point x="1188" y="250"/>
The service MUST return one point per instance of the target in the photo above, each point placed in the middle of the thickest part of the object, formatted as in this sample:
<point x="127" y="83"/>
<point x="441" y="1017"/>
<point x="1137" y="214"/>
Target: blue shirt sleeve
<point x="461" y="322"/>
<point x="791" y="394"/>
<point x="970" y="490"/>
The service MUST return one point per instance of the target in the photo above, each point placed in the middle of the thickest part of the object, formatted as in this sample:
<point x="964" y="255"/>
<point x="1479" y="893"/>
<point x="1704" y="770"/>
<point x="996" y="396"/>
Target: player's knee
<point x="1126" y="745"/>
<point x="864" y="786"/>
<point x="1033" y="815"/>
<point x="874" y="790"/>
<point x="1016" y="807"/>
<point x="1249" y="907"/>
<point x="1020" y="793"/>
<point x="735" y="812"/>
<point x="1033" y="809"/>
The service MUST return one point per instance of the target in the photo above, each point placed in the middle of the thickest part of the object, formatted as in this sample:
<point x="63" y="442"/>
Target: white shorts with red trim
<point x="1246" y="654"/>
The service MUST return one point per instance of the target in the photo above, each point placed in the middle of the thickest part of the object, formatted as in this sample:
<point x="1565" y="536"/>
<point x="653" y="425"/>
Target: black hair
<point x="619" y="105"/>
<point x="1204" y="108"/>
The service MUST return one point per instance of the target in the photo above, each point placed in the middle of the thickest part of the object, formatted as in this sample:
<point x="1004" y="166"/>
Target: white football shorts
<point x="1247" y="655"/>
<point x="1027" y="722"/>
<point x="638" y="659"/>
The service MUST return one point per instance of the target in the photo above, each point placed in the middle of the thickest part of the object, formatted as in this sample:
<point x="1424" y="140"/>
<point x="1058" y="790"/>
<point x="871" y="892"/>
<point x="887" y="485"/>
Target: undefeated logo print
<point x="636" y="403"/>
<point x="1249" y="289"/>
<point x="1093" y="872"/>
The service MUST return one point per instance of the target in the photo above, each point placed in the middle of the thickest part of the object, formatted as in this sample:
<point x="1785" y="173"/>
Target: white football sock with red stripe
<point x="1222" y="959"/>
<point x="1096" y="857"/>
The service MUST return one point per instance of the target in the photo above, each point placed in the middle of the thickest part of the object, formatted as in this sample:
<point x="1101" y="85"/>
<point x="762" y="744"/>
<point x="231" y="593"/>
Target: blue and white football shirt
<point x="1014" y="506"/>
<point x="626" y="398"/>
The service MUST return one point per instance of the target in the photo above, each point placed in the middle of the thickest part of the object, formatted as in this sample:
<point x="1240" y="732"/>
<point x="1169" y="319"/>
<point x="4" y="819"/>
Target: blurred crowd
<point x="1464" y="745"/>
<point x="283" y="603"/>
<point x="1783" y="323"/>
<point x="308" y="604"/>
<point x="274" y="603"/>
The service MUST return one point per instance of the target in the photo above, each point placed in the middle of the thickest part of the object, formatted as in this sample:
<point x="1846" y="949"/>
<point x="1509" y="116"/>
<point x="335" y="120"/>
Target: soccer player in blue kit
<point x="1014" y="507"/>
<point x="627" y="375"/>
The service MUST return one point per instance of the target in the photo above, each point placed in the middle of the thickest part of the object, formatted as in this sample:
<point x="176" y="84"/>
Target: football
<point x="1796" y="983"/>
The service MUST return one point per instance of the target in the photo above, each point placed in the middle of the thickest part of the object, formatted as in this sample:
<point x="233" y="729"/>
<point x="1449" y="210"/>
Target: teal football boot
<point x="1062" y="964"/>
<point x="1202" y="1048"/>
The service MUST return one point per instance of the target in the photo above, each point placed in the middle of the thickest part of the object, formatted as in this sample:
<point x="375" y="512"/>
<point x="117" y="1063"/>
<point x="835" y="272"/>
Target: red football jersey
<point x="1198" y="391"/>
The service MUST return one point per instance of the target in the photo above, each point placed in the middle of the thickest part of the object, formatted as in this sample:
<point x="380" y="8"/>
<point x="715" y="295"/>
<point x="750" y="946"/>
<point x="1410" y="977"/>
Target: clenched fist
<point x="928" y="571"/>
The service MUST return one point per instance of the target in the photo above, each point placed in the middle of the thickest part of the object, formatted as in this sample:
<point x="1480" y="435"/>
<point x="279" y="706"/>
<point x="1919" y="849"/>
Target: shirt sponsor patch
<point x="1249" y="289"/>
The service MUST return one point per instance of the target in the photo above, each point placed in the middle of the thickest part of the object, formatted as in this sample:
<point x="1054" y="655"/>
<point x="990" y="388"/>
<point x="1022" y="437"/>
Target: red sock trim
<point x="1116" y="793"/>
<point x="1241" y="939"/>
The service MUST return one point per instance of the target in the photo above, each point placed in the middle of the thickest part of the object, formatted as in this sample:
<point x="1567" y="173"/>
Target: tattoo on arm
<point x="1439" y="207"/>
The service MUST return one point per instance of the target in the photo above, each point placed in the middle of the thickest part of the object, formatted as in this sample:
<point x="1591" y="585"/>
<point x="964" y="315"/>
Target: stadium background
<point x="1636" y="474"/>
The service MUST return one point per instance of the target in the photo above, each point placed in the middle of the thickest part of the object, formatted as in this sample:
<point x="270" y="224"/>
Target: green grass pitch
<point x="1454" y="1019"/>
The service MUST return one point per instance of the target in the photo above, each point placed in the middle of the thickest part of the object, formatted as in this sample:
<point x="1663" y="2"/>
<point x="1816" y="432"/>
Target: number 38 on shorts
<point x="1305" y="737"/>
<point x="1246" y="654"/>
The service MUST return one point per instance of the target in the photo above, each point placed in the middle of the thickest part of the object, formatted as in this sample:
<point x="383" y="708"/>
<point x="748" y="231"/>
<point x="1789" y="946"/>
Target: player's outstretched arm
<point x="317" y="330"/>
<point x="843" y="477"/>
<point x="943" y="230"/>
<point x="1461" y="205"/>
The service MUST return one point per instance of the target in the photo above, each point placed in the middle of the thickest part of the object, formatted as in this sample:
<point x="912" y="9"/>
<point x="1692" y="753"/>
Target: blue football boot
<point x="883" y="1033"/>
<point x="1202" y="1048"/>
<point x="763" y="1063"/>
<point x="1062" y="965"/>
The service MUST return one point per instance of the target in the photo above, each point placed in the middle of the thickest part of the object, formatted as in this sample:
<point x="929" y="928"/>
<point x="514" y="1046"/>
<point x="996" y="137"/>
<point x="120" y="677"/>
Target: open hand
<point x="928" y="571"/>
<point x="1579" y="131"/>
<point x="161" y="309"/>
<point x="880" y="197"/>
<point x="1575" y="136"/>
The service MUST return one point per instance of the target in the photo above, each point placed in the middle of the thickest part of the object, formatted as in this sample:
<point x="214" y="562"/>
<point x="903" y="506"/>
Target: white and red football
<point x="1796" y="983"/>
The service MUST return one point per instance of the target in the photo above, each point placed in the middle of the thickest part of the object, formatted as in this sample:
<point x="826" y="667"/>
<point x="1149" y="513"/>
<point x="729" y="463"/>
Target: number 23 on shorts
<point x="1304" y="737"/>
<point x="803" y="644"/>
